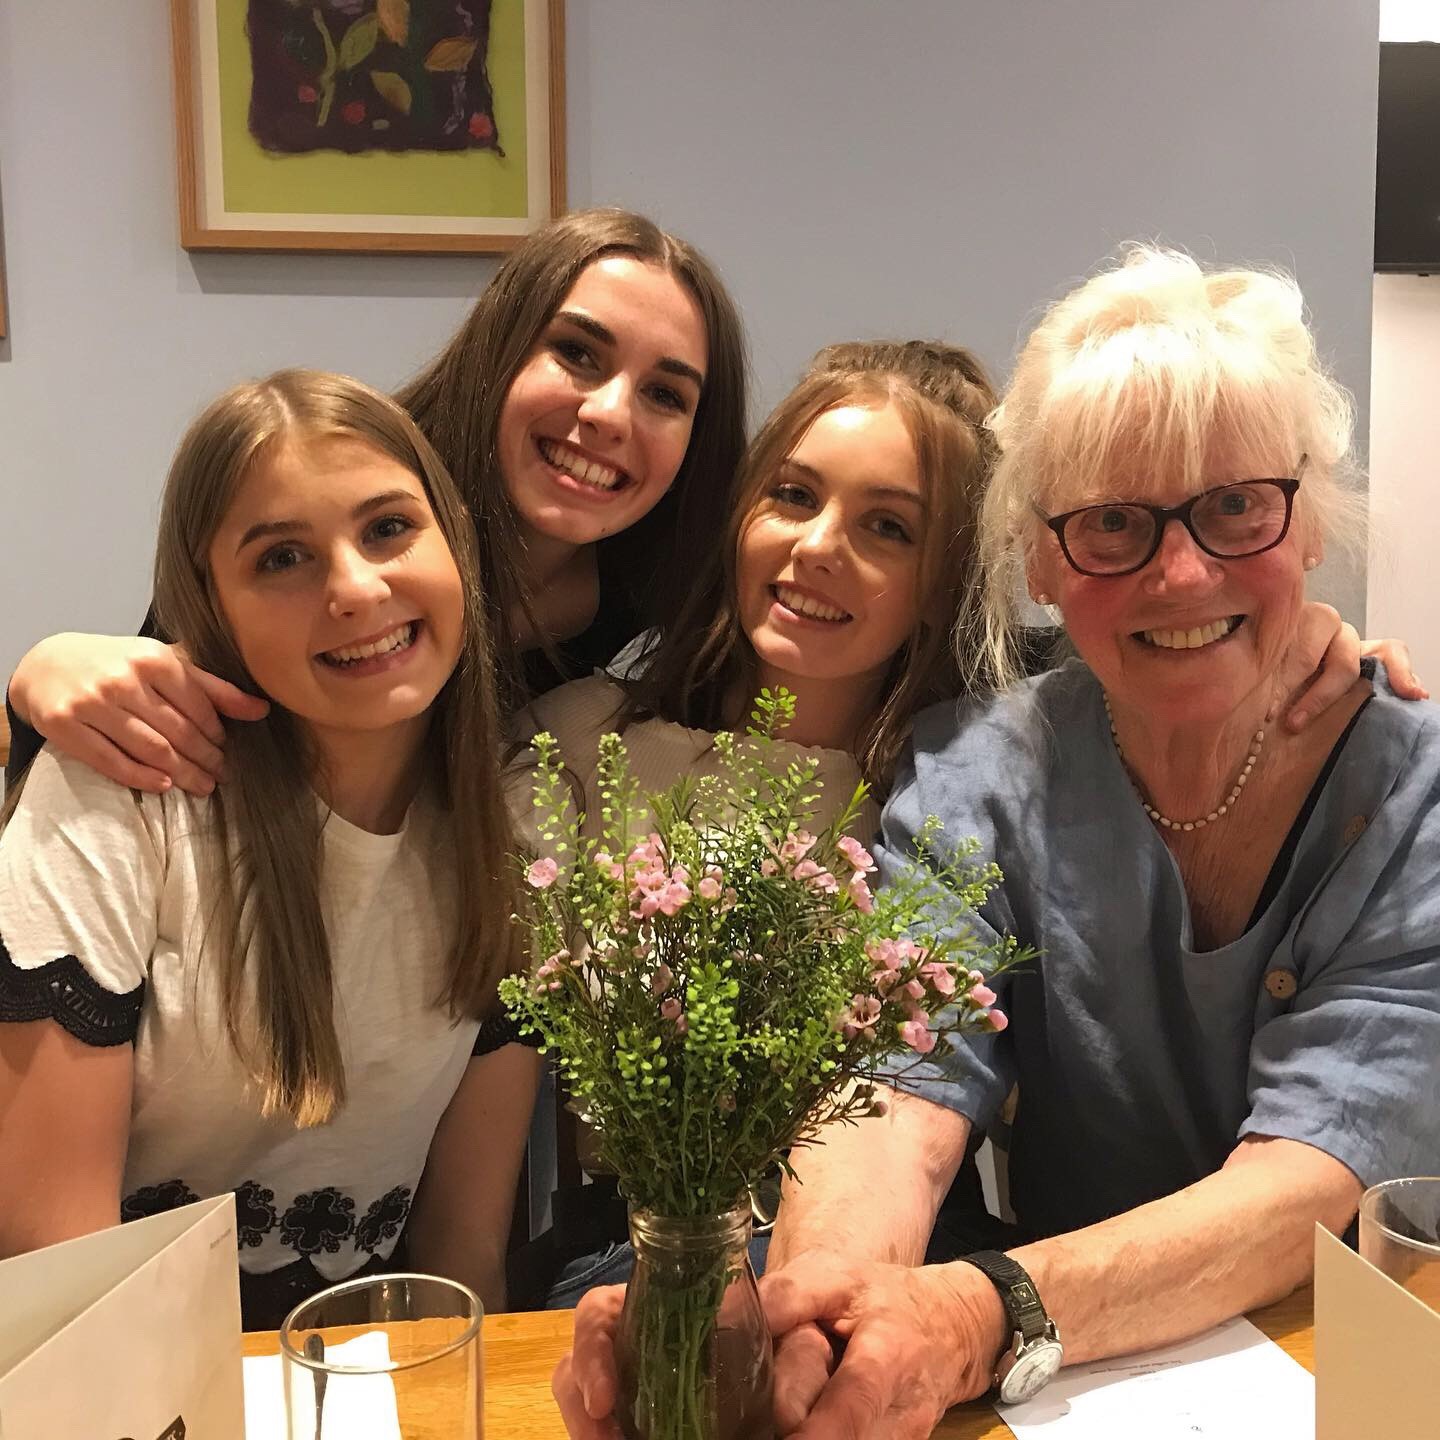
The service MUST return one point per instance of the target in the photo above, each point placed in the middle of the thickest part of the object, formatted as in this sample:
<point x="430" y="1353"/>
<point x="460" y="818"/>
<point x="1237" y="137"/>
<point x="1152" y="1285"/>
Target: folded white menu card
<point x="356" y="1407"/>
<point x="1232" y="1383"/>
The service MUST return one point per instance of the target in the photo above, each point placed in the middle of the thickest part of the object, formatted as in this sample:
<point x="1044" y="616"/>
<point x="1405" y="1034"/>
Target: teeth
<point x="397" y="639"/>
<point x="1194" y="638"/>
<point x="802" y="604"/>
<point x="590" y="472"/>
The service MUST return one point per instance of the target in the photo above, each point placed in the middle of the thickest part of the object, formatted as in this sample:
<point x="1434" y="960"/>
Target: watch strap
<point x="1017" y="1292"/>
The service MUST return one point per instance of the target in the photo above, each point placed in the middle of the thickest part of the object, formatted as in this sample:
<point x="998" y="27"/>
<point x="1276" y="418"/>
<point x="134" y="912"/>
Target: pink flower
<point x="796" y="846"/>
<point x="727" y="901"/>
<point x="884" y="952"/>
<point x="940" y="976"/>
<point x="980" y="996"/>
<point x="542" y="873"/>
<point x="817" y="877"/>
<point x="918" y="1036"/>
<point x="670" y="1009"/>
<point x="864" y="1011"/>
<point x="481" y="127"/>
<point x="662" y="980"/>
<point x="885" y="981"/>
<point x="998" y="1020"/>
<point x="709" y="888"/>
<point x="860" y="894"/>
<point x="769" y="867"/>
<point x="915" y="989"/>
<point x="674" y="898"/>
<point x="856" y="854"/>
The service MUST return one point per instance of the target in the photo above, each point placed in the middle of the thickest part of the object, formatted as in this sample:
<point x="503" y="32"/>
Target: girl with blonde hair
<point x="286" y="989"/>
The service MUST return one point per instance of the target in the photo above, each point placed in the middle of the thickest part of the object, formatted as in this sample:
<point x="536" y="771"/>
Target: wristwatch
<point x="1034" y="1355"/>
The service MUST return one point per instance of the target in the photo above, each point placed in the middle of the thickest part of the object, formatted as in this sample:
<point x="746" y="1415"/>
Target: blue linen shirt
<point x="1141" y="1060"/>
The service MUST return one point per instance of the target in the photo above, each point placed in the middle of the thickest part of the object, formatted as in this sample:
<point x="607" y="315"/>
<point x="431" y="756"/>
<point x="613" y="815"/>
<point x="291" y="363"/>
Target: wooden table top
<point x="522" y="1350"/>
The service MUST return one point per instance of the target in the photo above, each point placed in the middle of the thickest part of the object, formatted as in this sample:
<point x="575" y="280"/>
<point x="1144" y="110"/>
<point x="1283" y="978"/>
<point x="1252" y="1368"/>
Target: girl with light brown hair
<point x="287" y="989"/>
<point x="845" y="574"/>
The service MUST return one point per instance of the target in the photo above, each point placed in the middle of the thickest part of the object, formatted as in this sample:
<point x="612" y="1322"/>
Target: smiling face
<point x="1188" y="639"/>
<point x="829" y="560"/>
<point x="596" y="424"/>
<point x="338" y="586"/>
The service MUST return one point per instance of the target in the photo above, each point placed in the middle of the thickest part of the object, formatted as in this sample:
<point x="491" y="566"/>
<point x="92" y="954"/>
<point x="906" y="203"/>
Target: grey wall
<point x="854" y="167"/>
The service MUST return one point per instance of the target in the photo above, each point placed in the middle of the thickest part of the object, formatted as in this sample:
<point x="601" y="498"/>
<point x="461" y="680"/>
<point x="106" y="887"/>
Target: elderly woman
<point x="1233" y="1027"/>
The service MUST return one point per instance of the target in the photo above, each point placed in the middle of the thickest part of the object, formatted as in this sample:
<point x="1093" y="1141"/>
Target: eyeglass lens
<point x="1233" y="520"/>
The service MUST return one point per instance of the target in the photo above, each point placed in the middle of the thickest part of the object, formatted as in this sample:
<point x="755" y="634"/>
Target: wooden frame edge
<point x="194" y="236"/>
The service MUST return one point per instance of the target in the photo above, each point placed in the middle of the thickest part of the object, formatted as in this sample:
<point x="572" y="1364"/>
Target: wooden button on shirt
<point x="1280" y="983"/>
<point x="1354" y="829"/>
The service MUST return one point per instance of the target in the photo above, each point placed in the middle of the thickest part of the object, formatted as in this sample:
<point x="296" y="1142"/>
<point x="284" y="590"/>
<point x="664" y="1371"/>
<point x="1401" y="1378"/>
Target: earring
<point x="1042" y="600"/>
<point x="1311" y="561"/>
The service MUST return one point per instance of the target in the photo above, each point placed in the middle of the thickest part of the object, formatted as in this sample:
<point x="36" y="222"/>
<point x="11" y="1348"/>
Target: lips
<point x="1196" y="637"/>
<point x="588" y="471"/>
<point x="811" y="607"/>
<point x="392" y="641"/>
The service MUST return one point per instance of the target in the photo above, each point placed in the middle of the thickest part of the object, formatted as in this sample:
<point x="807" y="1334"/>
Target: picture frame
<point x="341" y="125"/>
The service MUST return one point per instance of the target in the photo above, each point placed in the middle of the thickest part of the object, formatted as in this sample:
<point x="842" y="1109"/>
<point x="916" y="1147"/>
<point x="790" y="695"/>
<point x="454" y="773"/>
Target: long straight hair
<point x="457" y="400"/>
<point x="266" y="933"/>
<point x="699" y="670"/>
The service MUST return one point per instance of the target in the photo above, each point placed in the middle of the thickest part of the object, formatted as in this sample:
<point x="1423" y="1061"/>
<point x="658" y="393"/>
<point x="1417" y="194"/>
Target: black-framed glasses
<point x="1229" y="522"/>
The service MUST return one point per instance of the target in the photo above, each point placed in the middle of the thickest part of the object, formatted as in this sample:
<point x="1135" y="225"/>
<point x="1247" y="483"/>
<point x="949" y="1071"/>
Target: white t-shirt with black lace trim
<point x="101" y="917"/>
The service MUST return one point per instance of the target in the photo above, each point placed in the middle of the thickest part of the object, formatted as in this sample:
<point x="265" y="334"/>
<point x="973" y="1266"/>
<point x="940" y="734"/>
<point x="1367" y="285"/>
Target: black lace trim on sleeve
<point x="62" y="990"/>
<point x="501" y="1030"/>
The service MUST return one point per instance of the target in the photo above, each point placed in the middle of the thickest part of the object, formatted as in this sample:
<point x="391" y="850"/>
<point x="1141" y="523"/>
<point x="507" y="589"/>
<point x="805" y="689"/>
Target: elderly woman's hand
<point x="917" y="1341"/>
<point x="585" y="1384"/>
<point x="1327" y="654"/>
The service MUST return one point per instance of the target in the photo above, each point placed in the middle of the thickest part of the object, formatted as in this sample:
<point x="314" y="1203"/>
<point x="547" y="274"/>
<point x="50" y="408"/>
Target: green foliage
<point x="718" y="989"/>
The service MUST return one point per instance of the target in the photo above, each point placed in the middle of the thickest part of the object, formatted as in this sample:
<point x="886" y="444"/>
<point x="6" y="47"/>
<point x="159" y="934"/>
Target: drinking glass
<point x="1400" y="1234"/>
<point x="386" y="1356"/>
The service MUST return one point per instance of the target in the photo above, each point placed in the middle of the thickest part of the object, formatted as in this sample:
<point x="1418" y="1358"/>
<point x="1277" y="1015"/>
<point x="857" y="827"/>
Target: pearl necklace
<point x="1220" y="810"/>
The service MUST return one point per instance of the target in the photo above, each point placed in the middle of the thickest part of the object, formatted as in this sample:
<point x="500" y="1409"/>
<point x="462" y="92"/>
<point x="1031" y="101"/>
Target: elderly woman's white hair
<point x="1156" y="368"/>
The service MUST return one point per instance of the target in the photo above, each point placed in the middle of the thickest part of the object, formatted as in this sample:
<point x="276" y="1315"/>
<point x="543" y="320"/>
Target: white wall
<point x="854" y="168"/>
<point x="1404" y="599"/>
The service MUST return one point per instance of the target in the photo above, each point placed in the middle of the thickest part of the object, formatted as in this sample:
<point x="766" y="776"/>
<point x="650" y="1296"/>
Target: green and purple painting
<point x="357" y="75"/>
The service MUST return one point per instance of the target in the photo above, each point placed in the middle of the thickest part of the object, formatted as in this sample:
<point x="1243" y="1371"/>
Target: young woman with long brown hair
<point x="843" y="574"/>
<point x="285" y="989"/>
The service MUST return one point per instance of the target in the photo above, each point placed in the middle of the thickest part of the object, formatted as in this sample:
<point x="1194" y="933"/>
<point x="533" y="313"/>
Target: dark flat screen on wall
<point x="1407" y="159"/>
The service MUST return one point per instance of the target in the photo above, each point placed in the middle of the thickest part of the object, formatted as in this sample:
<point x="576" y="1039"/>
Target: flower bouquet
<point x="717" y="983"/>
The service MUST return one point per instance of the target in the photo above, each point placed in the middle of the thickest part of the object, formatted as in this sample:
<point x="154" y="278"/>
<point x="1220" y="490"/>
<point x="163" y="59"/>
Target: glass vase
<point x="694" y="1351"/>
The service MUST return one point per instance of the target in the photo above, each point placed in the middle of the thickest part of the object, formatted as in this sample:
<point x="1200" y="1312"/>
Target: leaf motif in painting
<point x="453" y="54"/>
<point x="394" y="18"/>
<point x="393" y="89"/>
<point x="359" y="41"/>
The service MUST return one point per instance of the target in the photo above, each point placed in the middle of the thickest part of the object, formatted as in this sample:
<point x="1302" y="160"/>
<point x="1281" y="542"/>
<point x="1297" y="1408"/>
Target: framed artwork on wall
<point x="407" y="126"/>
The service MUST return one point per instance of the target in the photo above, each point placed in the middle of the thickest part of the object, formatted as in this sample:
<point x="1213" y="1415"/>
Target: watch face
<point x="1035" y="1368"/>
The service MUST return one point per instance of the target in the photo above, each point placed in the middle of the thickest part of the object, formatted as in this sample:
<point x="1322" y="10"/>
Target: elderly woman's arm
<point x="1237" y="1239"/>
<point x="920" y="1340"/>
